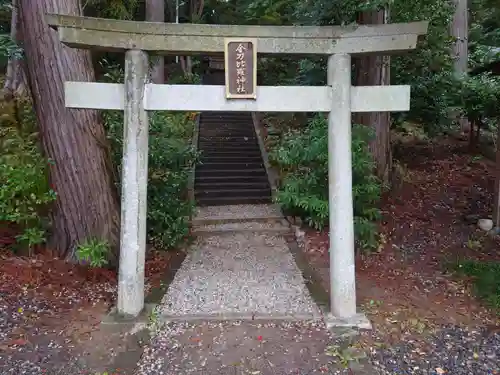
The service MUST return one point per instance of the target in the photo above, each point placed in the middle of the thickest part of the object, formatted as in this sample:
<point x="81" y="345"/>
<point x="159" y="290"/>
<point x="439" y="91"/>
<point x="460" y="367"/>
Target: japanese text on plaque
<point x="240" y="65"/>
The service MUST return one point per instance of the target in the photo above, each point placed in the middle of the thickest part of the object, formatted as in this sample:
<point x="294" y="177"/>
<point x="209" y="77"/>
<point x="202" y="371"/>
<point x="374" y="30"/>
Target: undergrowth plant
<point x="302" y="157"/>
<point x="171" y="158"/>
<point x="25" y="194"/>
<point x="486" y="278"/>
<point x="93" y="252"/>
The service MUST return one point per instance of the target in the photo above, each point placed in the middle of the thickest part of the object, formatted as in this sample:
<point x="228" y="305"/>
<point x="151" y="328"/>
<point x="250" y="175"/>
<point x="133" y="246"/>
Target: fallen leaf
<point x="18" y="342"/>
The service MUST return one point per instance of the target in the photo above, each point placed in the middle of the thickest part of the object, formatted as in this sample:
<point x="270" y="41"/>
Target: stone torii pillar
<point x="134" y="186"/>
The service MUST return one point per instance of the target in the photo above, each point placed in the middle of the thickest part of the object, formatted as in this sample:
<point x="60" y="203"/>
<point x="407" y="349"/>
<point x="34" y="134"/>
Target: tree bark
<point x="196" y="11"/>
<point x="460" y="51"/>
<point x="155" y="12"/>
<point x="370" y="71"/>
<point x="16" y="83"/>
<point x="496" y="206"/>
<point x="87" y="202"/>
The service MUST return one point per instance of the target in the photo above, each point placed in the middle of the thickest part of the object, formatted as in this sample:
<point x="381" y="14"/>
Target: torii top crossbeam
<point x="185" y="39"/>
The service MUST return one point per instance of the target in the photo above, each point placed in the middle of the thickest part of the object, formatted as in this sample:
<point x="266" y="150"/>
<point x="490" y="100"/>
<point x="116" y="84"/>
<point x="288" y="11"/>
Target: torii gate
<point x="136" y="97"/>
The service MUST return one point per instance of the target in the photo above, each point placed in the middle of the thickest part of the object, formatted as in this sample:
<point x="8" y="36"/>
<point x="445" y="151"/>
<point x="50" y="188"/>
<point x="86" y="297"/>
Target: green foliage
<point x="304" y="186"/>
<point x="486" y="276"/>
<point x="429" y="68"/>
<point x="171" y="158"/>
<point x="24" y="191"/>
<point x="118" y="9"/>
<point x="93" y="252"/>
<point x="480" y="97"/>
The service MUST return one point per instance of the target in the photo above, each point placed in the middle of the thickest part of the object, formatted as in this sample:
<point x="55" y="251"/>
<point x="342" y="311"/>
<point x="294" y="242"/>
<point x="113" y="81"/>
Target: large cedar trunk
<point x="371" y="71"/>
<point x="496" y="203"/>
<point x="155" y="12"/>
<point x="87" y="204"/>
<point x="16" y="83"/>
<point x="460" y="51"/>
<point x="195" y="14"/>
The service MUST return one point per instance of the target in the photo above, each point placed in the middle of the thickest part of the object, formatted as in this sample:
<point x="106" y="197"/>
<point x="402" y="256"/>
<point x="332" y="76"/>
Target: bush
<point x="304" y="185"/>
<point x="486" y="278"/>
<point x="171" y="157"/>
<point x="24" y="190"/>
<point x="480" y="97"/>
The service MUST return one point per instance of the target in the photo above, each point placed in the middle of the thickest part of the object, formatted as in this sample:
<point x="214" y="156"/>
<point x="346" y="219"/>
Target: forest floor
<point x="426" y="319"/>
<point x="51" y="313"/>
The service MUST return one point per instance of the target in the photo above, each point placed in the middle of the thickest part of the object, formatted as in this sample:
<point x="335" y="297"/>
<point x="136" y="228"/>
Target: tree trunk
<point x="370" y="71"/>
<point x="87" y="202"/>
<point x="16" y="83"/>
<point x="155" y="12"/>
<point x="460" y="51"/>
<point x="196" y="11"/>
<point x="496" y="206"/>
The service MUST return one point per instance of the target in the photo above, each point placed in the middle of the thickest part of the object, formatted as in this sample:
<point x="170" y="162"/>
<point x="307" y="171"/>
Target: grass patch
<point x="486" y="278"/>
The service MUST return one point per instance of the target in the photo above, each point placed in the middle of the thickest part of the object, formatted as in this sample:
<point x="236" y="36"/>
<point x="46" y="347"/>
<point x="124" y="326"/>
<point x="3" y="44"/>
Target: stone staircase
<point x="231" y="170"/>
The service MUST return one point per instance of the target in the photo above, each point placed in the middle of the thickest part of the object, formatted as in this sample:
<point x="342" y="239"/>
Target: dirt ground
<point x="407" y="288"/>
<point x="51" y="312"/>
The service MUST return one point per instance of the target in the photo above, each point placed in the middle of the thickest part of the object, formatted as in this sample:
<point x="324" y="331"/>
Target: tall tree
<point x="87" y="205"/>
<point x="15" y="79"/>
<point x="459" y="32"/>
<point x="370" y="71"/>
<point x="155" y="12"/>
<point x="195" y="8"/>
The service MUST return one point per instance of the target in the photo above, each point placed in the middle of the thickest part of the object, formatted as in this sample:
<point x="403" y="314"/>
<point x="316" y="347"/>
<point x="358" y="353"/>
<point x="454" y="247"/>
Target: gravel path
<point x="241" y="347"/>
<point x="453" y="350"/>
<point x="239" y="275"/>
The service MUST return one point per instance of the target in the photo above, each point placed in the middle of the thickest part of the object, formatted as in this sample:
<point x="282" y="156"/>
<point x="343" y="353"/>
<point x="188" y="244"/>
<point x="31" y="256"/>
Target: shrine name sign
<point x="240" y="65"/>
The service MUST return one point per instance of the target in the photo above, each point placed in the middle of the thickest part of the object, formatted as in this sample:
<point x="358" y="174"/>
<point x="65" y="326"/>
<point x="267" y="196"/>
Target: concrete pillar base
<point x="359" y="321"/>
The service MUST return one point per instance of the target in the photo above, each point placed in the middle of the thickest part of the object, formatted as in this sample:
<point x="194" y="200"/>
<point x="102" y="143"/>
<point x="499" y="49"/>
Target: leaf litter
<point x="426" y="320"/>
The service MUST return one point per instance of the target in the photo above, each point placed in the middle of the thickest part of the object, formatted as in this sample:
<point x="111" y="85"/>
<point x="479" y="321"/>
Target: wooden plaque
<point x="240" y="66"/>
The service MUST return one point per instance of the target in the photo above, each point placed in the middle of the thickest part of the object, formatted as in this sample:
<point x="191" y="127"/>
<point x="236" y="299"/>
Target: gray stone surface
<point x="134" y="187"/>
<point x="84" y="32"/>
<point x="245" y="348"/>
<point x="239" y="275"/>
<point x="240" y="211"/>
<point x="271" y="227"/>
<point x="196" y="98"/>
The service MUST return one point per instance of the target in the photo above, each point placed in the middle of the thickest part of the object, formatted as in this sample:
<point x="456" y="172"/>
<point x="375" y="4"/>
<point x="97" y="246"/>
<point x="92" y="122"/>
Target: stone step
<point x="250" y="145"/>
<point x="221" y="133"/>
<point x="200" y="172"/>
<point x="223" y="201"/>
<point x="228" y="149"/>
<point x="231" y="179"/>
<point x="226" y="115"/>
<point x="236" y="121"/>
<point x="229" y="164"/>
<point x="211" y="185"/>
<point x="229" y="153"/>
<point x="233" y="159"/>
<point x="228" y="140"/>
<point x="277" y="228"/>
<point x="240" y="212"/>
<point x="226" y="191"/>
